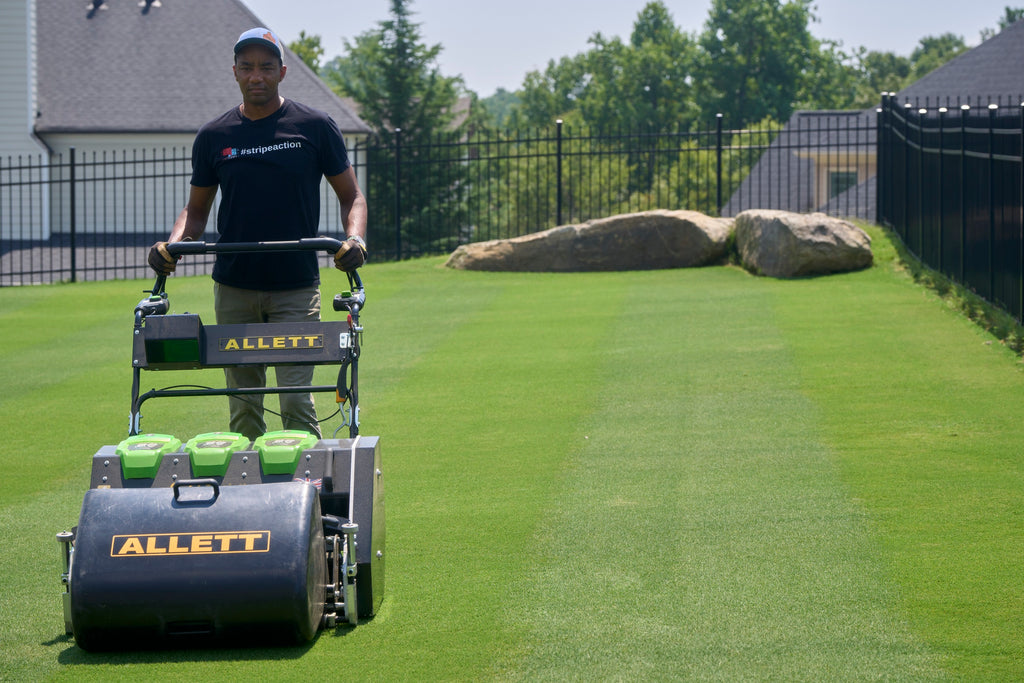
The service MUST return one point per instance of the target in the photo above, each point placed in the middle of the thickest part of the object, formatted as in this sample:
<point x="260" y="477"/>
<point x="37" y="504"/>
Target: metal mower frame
<point x="216" y="524"/>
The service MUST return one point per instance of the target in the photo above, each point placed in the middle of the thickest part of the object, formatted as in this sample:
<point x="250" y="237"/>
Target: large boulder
<point x="783" y="244"/>
<point x="636" y="241"/>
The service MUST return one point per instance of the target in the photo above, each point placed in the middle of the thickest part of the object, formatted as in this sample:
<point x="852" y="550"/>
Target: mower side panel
<point x="152" y="568"/>
<point x="357" y="493"/>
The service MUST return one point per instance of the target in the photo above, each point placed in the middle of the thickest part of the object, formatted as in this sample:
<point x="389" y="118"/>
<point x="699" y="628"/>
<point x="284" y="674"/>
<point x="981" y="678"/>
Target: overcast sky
<point x="494" y="44"/>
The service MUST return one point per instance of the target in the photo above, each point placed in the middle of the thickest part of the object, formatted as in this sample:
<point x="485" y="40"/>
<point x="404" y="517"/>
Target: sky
<point x="495" y="44"/>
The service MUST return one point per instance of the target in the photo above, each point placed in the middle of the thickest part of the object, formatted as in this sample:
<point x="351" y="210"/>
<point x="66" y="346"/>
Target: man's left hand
<point x="352" y="255"/>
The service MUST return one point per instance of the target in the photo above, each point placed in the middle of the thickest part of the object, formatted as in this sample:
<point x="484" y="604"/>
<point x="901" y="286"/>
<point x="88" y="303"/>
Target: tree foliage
<point x="398" y="87"/>
<point x="309" y="50"/>
<point x="934" y="51"/>
<point x="643" y="83"/>
<point x="1011" y="15"/>
<point x="395" y="78"/>
<point x="755" y="58"/>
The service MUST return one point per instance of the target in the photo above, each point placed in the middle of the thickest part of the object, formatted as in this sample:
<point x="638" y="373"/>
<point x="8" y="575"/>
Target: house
<point x="819" y="161"/>
<point x="127" y="80"/>
<point x="826" y="160"/>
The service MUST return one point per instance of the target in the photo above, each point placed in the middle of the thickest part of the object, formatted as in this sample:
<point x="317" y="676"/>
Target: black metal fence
<point x="950" y="184"/>
<point x="92" y="218"/>
<point x="430" y="196"/>
<point x="88" y="217"/>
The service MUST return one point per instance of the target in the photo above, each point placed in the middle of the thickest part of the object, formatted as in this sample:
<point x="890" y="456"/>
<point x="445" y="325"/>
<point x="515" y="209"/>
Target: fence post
<point x="558" y="172"/>
<point x="879" y="162"/>
<point x="73" y="226"/>
<point x="921" y="114"/>
<point x="1020" y="233"/>
<point x="942" y="185"/>
<point x="991" y="200"/>
<point x="398" y="194"/>
<point x="964" y="108"/>
<point x="905" y="222"/>
<point x="718" y="161"/>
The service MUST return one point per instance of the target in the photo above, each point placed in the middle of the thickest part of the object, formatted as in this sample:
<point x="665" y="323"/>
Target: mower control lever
<point x="157" y="304"/>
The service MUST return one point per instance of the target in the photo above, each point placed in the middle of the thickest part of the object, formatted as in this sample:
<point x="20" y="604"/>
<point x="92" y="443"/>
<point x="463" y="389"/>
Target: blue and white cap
<point x="259" y="36"/>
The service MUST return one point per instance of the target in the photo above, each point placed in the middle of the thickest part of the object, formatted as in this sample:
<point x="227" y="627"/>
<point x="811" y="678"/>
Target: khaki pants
<point x="233" y="305"/>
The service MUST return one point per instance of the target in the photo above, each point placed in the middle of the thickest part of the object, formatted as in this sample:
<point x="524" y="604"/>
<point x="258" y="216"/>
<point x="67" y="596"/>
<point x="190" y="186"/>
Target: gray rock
<point x="637" y="241"/>
<point x="783" y="244"/>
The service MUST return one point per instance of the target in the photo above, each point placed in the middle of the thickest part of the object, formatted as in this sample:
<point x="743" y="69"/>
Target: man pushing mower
<point x="267" y="157"/>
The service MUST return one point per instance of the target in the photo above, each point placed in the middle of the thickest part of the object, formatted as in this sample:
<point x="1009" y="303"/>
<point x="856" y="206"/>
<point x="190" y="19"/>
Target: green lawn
<point x="690" y="474"/>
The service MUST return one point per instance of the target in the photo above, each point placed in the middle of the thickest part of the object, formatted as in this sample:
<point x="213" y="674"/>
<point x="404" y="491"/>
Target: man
<point x="267" y="157"/>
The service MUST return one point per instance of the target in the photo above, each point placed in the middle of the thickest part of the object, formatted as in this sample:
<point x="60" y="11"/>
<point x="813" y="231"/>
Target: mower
<point x="212" y="538"/>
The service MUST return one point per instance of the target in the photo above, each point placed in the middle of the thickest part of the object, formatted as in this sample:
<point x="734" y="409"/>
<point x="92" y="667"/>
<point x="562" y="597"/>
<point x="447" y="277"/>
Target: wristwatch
<point x="358" y="240"/>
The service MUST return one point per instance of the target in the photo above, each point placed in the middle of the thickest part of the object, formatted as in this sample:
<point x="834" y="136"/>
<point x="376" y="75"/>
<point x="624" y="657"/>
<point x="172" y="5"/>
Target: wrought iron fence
<point x="950" y="184"/>
<point x="93" y="218"/>
<point x="430" y="196"/>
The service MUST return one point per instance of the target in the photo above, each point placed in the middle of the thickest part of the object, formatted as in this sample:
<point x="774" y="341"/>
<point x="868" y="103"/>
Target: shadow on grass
<point x="192" y="650"/>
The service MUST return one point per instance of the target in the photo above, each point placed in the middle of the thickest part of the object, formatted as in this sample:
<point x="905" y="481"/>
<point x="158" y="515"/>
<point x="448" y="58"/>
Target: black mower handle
<point x="328" y="244"/>
<point x="176" y="249"/>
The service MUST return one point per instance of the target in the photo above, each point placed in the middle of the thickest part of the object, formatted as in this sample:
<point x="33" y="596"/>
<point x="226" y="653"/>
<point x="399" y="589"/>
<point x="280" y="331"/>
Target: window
<point x="840" y="181"/>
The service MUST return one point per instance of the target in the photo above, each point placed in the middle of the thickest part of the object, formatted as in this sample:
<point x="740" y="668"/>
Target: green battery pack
<point x="141" y="454"/>
<point x="279" y="451"/>
<point x="211" y="453"/>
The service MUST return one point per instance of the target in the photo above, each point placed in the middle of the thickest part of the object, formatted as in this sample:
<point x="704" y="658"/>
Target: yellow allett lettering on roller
<point x="282" y="343"/>
<point x="206" y="543"/>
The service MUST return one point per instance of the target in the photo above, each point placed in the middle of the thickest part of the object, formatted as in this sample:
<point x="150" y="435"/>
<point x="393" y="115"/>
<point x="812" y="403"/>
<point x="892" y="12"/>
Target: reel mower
<point x="212" y="538"/>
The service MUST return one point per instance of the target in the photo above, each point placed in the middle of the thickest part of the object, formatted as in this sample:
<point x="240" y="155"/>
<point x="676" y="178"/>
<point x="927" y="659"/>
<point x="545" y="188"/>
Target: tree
<point x="645" y="83"/>
<point x="551" y="94"/>
<point x="756" y="56"/>
<point x="934" y="51"/>
<point x="395" y="78"/>
<point x="400" y="92"/>
<point x="309" y="50"/>
<point x="834" y="80"/>
<point x="499" y="106"/>
<point x="1011" y="15"/>
<point x="652" y="82"/>
<point x="884" y="72"/>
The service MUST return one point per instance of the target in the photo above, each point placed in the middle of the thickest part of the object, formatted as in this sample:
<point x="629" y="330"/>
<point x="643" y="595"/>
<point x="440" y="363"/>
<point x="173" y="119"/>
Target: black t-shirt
<point x="269" y="173"/>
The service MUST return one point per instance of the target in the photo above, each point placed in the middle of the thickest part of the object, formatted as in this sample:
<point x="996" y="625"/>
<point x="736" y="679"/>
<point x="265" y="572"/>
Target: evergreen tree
<point x="395" y="78"/>
<point x="400" y="92"/>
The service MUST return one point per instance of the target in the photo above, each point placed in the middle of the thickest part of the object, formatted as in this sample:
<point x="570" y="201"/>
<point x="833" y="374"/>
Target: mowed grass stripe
<point x="705" y="531"/>
<point x="923" y="412"/>
<point x="476" y="436"/>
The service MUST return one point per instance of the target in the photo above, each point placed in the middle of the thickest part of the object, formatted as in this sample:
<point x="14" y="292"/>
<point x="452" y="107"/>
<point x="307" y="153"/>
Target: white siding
<point x="16" y="51"/>
<point x="125" y="184"/>
<point x="23" y="194"/>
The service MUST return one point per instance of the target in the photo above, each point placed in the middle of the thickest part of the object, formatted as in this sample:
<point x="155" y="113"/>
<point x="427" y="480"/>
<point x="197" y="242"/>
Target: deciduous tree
<point x="755" y="58"/>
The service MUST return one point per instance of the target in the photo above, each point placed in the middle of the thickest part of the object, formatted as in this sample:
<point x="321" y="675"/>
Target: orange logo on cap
<point x="270" y="36"/>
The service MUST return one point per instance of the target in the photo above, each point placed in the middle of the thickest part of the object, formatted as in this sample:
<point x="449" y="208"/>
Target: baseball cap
<point x="259" y="36"/>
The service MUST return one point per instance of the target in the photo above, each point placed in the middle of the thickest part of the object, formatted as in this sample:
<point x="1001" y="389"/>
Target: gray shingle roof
<point x="983" y="75"/>
<point x="165" y="70"/>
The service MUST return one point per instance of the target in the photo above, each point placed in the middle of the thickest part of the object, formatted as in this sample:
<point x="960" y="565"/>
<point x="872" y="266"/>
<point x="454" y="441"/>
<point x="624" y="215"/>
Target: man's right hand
<point x="161" y="260"/>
